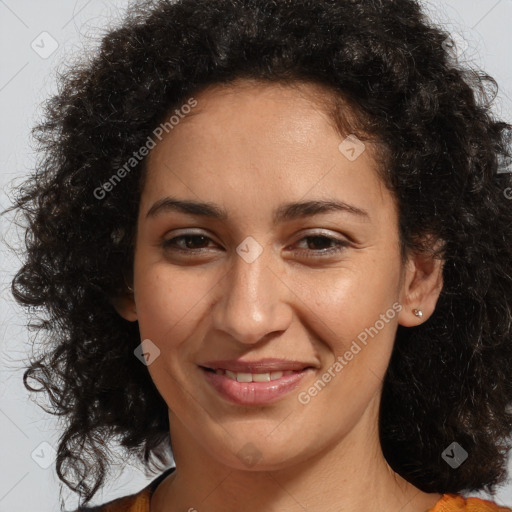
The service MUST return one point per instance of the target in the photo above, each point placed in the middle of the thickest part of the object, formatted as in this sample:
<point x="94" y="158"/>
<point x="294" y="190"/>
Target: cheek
<point x="348" y="300"/>
<point x="169" y="302"/>
<point x="354" y="313"/>
<point x="170" y="306"/>
<point x="354" y="319"/>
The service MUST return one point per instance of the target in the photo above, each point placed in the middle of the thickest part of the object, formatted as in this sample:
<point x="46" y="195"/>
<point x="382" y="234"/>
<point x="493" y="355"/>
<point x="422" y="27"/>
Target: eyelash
<point x="339" y="245"/>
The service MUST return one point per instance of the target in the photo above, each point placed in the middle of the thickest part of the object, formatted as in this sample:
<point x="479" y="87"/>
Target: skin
<point x="249" y="148"/>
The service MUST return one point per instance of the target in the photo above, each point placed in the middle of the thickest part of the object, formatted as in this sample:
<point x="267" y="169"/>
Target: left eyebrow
<point x="285" y="212"/>
<point x="291" y="211"/>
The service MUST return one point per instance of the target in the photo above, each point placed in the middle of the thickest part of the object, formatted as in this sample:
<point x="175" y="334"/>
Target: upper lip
<point x="261" y="366"/>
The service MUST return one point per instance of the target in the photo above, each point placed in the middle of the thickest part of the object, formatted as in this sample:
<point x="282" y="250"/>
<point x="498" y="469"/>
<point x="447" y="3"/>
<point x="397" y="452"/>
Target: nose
<point x="253" y="301"/>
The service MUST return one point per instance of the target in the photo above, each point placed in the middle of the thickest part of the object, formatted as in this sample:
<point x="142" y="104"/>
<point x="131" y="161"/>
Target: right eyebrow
<point x="186" y="206"/>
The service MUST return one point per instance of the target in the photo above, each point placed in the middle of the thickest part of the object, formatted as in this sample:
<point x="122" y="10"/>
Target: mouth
<point x="254" y="383"/>
<point x="253" y="377"/>
<point x="261" y="366"/>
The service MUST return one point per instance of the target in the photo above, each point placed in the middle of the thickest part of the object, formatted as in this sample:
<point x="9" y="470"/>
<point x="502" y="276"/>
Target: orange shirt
<point x="456" y="503"/>
<point x="139" y="502"/>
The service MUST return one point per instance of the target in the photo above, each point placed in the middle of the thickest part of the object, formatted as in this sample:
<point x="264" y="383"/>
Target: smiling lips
<point x="256" y="382"/>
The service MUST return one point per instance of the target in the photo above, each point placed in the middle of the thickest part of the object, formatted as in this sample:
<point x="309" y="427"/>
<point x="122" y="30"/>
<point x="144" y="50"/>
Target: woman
<point x="271" y="238"/>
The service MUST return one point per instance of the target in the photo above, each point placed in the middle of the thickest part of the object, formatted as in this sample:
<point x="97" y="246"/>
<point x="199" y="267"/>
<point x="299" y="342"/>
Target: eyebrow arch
<point x="285" y="212"/>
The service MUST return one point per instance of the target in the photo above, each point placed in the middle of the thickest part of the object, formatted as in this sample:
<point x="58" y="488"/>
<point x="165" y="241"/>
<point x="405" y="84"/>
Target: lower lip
<point x="254" y="393"/>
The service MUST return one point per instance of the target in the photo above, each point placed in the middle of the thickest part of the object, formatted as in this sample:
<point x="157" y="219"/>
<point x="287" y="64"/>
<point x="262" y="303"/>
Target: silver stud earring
<point x="418" y="312"/>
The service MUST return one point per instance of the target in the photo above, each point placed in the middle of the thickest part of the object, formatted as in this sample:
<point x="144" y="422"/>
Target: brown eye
<point x="187" y="243"/>
<point x="319" y="242"/>
<point x="318" y="246"/>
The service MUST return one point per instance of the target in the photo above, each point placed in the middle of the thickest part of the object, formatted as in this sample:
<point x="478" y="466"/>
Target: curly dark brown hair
<point x="449" y="378"/>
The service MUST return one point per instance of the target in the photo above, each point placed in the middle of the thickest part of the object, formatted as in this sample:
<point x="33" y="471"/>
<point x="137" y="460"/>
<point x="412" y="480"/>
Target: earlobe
<point x="125" y="306"/>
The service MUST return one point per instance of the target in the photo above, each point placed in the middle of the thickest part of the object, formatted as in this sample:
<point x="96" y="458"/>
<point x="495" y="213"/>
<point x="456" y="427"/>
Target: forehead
<point x="261" y="102"/>
<point x="271" y="137"/>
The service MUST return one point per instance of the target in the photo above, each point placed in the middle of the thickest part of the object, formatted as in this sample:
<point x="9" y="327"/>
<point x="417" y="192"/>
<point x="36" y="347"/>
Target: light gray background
<point x="26" y="79"/>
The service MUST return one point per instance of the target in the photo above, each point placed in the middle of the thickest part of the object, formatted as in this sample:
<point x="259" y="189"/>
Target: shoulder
<point x="137" y="502"/>
<point x="457" y="503"/>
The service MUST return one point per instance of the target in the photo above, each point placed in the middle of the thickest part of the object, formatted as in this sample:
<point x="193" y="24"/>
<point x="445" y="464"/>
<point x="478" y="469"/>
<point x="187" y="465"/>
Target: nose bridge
<point x="253" y="302"/>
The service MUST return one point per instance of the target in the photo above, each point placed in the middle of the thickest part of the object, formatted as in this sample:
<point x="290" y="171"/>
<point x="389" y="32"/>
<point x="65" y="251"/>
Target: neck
<point x="350" y="476"/>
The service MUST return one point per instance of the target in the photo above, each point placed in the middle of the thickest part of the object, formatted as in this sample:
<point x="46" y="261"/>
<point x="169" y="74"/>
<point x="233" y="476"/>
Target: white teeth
<point x="253" y="377"/>
<point x="261" y="377"/>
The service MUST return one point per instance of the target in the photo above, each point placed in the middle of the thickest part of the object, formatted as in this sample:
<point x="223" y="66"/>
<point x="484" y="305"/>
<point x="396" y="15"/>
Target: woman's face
<point x="271" y="273"/>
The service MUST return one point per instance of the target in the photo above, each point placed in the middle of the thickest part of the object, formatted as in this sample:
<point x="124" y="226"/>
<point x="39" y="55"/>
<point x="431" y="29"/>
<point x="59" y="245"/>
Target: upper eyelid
<point x="167" y="238"/>
<point x="301" y="234"/>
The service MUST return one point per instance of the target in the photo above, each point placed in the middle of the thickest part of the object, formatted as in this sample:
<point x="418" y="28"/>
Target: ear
<point x="125" y="306"/>
<point x="422" y="283"/>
